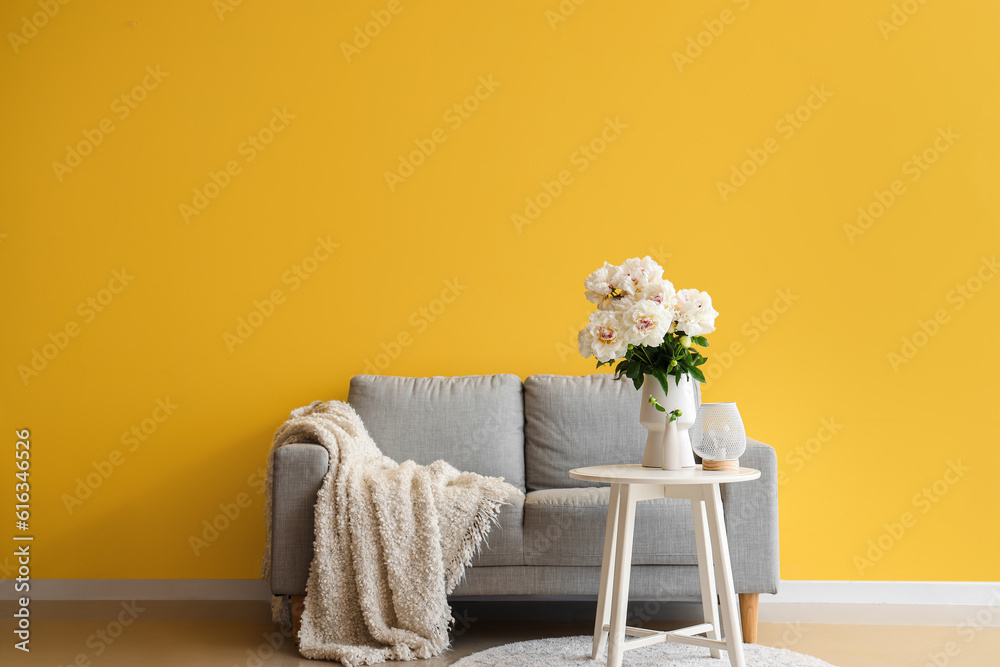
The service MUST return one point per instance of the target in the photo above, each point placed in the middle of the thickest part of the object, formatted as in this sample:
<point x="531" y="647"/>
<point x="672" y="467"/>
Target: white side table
<point x="629" y="485"/>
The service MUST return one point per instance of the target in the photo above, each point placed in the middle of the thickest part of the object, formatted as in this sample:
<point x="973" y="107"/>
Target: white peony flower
<point x="621" y="303"/>
<point x="648" y="322"/>
<point x="641" y="273"/>
<point x="601" y="286"/>
<point x="608" y="335"/>
<point x="662" y="292"/>
<point x="638" y="306"/>
<point x="695" y="315"/>
<point x="623" y="284"/>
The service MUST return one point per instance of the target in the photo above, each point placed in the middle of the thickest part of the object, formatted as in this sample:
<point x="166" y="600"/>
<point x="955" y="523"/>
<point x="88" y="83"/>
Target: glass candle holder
<point x="718" y="436"/>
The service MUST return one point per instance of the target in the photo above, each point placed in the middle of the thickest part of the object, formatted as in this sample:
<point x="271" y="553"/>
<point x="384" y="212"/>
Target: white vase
<point x="671" y="458"/>
<point x="680" y="397"/>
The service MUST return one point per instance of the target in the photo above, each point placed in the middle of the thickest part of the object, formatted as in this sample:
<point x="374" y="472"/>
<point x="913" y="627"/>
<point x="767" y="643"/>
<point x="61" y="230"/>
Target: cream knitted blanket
<point x="392" y="541"/>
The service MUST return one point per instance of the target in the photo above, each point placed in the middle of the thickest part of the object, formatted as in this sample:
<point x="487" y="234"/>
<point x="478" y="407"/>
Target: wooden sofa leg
<point x="749" y="605"/>
<point x="298" y="605"/>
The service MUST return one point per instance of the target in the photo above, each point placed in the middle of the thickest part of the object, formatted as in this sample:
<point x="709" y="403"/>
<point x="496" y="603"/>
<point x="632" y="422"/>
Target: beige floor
<point x="87" y="635"/>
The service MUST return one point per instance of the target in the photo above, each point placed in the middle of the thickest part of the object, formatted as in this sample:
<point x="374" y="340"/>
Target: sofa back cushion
<point x="575" y="421"/>
<point x="475" y="423"/>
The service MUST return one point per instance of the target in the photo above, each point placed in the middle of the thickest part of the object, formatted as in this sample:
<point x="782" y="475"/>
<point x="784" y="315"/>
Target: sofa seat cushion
<point x="566" y="527"/>
<point x="505" y="543"/>
<point x="577" y="421"/>
<point x="475" y="423"/>
<point x="647" y="582"/>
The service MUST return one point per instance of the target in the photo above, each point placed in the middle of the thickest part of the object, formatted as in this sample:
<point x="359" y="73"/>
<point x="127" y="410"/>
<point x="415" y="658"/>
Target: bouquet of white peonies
<point x="647" y="325"/>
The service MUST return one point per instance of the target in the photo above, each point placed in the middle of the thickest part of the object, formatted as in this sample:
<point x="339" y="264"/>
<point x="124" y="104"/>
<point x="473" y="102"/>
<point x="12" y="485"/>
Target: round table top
<point x="636" y="474"/>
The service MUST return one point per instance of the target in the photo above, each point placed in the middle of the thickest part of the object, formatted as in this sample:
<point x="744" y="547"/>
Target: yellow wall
<point x="211" y="78"/>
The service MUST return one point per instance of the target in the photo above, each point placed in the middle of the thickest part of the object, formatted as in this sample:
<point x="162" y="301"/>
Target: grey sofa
<point x="548" y="545"/>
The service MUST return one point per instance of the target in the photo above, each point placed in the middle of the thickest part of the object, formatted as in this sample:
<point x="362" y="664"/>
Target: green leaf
<point x="662" y="378"/>
<point x="697" y="374"/>
<point x="700" y="340"/>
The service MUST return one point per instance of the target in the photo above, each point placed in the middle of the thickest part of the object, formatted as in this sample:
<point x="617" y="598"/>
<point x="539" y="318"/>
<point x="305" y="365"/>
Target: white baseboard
<point x="949" y="603"/>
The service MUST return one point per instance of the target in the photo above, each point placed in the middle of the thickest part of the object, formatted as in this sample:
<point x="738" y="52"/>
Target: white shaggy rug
<point x="575" y="651"/>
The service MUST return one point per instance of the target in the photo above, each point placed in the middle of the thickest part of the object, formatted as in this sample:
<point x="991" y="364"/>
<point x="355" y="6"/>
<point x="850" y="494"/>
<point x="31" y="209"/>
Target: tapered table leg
<point x="607" y="574"/>
<point x="724" y="572"/>
<point x="623" y="566"/>
<point x="706" y="572"/>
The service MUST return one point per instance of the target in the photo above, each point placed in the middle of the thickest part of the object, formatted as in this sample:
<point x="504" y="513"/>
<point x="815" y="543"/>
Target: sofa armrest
<point x="297" y="476"/>
<point x="751" y="510"/>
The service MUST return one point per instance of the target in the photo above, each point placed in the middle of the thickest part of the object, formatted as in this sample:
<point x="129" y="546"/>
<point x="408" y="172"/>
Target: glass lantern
<point x="718" y="436"/>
